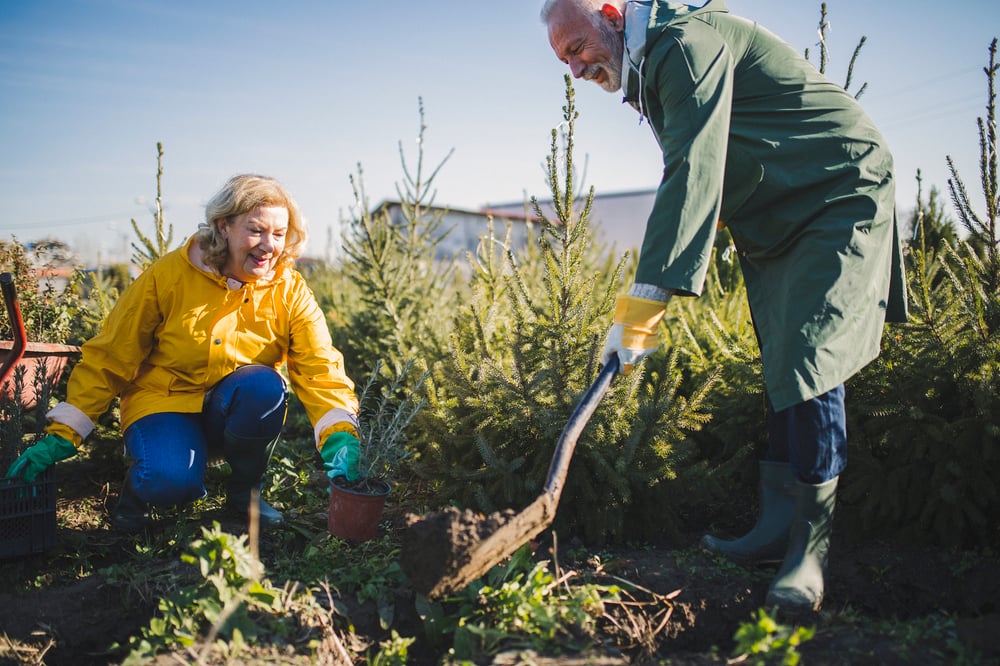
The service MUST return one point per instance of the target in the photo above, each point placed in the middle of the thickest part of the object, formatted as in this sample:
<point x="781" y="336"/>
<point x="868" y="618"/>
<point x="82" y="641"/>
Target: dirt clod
<point x="440" y="543"/>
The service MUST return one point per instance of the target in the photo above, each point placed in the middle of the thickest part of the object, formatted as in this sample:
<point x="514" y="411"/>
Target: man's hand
<point x="340" y="454"/>
<point x="633" y="335"/>
<point x="38" y="457"/>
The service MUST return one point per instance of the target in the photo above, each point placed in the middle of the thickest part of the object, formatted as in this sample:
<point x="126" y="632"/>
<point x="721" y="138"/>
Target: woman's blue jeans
<point x="811" y="435"/>
<point x="242" y="416"/>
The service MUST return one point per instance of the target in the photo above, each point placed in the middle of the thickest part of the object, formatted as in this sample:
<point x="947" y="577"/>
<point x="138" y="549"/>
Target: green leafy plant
<point x="49" y="313"/>
<point x="231" y="606"/>
<point x="764" y="641"/>
<point x="368" y="570"/>
<point x="519" y="605"/>
<point x="230" y="587"/>
<point x="395" y="651"/>
<point x="915" y="638"/>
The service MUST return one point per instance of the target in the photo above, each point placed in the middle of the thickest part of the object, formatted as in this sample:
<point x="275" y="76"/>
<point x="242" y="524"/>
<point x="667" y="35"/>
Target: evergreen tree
<point x="930" y="227"/>
<point x="984" y="235"/>
<point x="390" y="298"/>
<point x="153" y="248"/>
<point x="925" y="420"/>
<point x="524" y="349"/>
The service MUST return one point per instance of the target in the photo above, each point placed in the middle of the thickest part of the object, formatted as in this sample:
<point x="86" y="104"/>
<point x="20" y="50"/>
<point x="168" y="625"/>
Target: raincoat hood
<point x="644" y="21"/>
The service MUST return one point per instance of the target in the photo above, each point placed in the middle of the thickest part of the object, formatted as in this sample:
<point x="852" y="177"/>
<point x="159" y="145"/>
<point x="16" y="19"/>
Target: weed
<point x="368" y="570"/>
<point x="764" y="641"/>
<point x="393" y="652"/>
<point x="915" y="638"/>
<point x="519" y="605"/>
<point x="230" y="587"/>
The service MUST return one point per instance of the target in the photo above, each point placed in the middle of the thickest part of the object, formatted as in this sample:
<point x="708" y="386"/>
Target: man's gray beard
<point x="615" y="43"/>
<point x="613" y="81"/>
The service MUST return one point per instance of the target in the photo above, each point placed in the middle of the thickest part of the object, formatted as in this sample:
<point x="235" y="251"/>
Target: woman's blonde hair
<point x="242" y="194"/>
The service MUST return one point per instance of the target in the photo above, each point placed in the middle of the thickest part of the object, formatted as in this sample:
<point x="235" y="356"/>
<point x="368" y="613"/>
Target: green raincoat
<point x="755" y="137"/>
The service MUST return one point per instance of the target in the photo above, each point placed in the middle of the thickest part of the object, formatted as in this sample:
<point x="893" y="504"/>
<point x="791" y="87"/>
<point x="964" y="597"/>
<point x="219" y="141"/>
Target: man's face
<point x="592" y="49"/>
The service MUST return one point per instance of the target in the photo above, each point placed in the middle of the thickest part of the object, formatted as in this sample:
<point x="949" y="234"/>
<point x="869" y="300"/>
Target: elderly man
<point x="755" y="138"/>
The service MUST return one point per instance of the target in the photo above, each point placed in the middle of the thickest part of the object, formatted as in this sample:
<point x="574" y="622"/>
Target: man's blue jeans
<point x="811" y="435"/>
<point x="170" y="450"/>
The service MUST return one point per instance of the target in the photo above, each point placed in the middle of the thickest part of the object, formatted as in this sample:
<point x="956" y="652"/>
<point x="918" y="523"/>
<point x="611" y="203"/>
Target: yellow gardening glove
<point x="633" y="335"/>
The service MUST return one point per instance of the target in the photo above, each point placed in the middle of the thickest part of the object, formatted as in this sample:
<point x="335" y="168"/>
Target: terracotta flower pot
<point x="355" y="514"/>
<point x="37" y="355"/>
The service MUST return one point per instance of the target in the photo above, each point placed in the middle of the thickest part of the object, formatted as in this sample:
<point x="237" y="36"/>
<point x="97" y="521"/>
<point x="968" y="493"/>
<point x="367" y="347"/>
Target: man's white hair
<point x="588" y="7"/>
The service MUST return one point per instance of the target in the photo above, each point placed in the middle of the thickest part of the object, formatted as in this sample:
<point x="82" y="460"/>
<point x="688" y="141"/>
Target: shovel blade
<point x="444" y="552"/>
<point x="441" y="559"/>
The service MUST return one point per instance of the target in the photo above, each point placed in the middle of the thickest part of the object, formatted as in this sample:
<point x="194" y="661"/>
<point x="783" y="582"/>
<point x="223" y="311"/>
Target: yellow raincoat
<point x="180" y="328"/>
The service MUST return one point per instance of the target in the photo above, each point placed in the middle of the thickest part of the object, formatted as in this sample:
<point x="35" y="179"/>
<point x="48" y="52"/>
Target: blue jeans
<point x="242" y="415"/>
<point x="811" y="435"/>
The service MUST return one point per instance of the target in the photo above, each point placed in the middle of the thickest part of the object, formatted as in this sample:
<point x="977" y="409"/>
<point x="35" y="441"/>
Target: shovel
<point x="445" y="551"/>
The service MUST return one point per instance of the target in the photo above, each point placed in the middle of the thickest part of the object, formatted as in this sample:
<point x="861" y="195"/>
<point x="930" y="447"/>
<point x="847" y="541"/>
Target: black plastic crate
<point x="28" y="515"/>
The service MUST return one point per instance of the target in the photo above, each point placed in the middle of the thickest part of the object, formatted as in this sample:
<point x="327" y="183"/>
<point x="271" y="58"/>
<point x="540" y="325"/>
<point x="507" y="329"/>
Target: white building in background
<point x="465" y="228"/>
<point x="618" y="220"/>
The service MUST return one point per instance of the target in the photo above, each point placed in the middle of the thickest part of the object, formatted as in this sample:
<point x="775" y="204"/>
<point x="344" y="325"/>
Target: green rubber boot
<point x="768" y="540"/>
<point x="248" y="460"/>
<point x="798" y="586"/>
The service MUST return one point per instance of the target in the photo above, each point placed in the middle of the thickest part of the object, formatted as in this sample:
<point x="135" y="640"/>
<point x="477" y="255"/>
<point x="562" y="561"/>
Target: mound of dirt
<point x="441" y="543"/>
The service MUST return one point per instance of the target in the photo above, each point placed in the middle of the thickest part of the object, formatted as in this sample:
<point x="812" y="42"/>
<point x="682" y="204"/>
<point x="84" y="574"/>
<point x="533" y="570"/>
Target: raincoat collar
<point x="644" y="19"/>
<point x="195" y="257"/>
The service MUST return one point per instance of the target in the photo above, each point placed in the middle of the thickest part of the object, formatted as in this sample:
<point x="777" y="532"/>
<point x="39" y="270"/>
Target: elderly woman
<point x="193" y="347"/>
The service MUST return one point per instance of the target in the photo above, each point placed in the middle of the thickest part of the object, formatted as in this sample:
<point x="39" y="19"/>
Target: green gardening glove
<point x="37" y="458"/>
<point x="340" y="454"/>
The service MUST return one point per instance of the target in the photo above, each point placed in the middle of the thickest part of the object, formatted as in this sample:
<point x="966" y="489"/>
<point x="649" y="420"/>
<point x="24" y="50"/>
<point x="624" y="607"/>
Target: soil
<point x="437" y="545"/>
<point x="885" y="603"/>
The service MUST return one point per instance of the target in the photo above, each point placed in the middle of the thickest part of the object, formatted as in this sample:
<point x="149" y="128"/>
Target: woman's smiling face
<point x="256" y="240"/>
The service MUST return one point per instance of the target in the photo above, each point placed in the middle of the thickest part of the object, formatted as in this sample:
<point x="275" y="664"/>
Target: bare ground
<point x="885" y="603"/>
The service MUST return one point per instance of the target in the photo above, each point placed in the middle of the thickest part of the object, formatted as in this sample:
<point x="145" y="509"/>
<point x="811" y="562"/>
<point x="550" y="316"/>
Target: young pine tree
<point x="525" y="347"/>
<point x="391" y="296"/>
<point x="926" y="418"/>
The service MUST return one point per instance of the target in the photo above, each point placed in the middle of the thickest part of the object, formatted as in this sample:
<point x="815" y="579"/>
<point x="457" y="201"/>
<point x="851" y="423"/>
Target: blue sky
<point x="306" y="91"/>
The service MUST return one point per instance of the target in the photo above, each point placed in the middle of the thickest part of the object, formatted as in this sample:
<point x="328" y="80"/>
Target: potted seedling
<point x="386" y="409"/>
